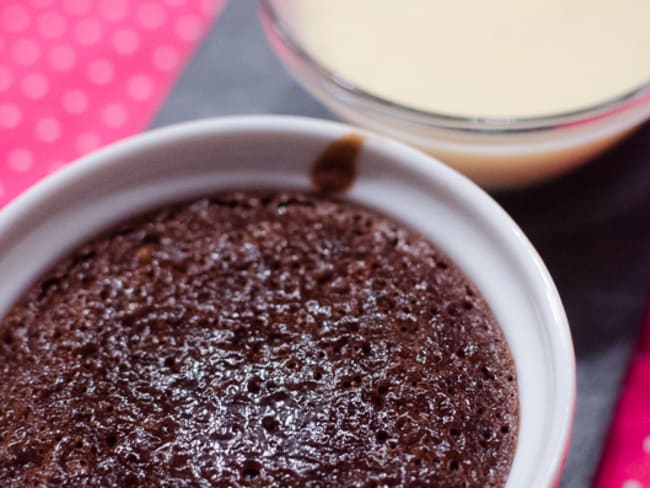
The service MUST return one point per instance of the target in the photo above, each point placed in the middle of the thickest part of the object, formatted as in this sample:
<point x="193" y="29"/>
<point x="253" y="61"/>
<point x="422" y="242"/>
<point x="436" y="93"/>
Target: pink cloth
<point x="78" y="74"/>
<point x="626" y="459"/>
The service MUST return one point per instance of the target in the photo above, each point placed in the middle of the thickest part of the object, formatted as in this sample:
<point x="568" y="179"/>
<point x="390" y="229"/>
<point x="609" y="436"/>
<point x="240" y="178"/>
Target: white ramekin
<point x="206" y="156"/>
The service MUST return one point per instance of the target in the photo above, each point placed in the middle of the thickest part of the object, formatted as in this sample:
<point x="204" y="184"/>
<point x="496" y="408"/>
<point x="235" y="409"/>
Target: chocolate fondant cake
<point x="255" y="339"/>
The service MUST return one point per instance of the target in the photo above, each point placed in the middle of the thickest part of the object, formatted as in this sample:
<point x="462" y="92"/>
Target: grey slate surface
<point x="592" y="227"/>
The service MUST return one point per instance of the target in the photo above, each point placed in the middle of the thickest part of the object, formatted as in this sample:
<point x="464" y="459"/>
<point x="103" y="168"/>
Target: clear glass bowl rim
<point x="500" y="125"/>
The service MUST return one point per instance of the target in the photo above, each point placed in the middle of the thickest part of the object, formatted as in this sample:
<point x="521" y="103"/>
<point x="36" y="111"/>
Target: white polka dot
<point x="20" y="160"/>
<point x="646" y="445"/>
<point x="48" y="129"/>
<point x="151" y="15"/>
<point x="113" y="10"/>
<point x="15" y="18"/>
<point x="100" y="71"/>
<point x="88" y="141"/>
<point x="10" y="115"/>
<point x="51" y="25"/>
<point x="188" y="27"/>
<point x="35" y="85"/>
<point x="6" y="78"/>
<point x="75" y="101"/>
<point x="125" y="41"/>
<point x="76" y="7"/>
<point x="25" y="51"/>
<point x="62" y="58"/>
<point x="165" y="58"/>
<point x="632" y="484"/>
<point x="140" y="87"/>
<point x="114" y="115"/>
<point x="88" y="32"/>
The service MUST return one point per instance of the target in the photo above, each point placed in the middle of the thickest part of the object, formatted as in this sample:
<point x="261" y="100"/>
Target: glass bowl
<point x="494" y="152"/>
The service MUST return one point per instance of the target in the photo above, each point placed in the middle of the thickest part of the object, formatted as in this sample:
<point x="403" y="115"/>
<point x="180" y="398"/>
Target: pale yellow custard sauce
<point x="477" y="60"/>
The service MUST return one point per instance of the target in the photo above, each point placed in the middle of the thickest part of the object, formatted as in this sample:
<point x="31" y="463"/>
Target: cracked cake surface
<point x="256" y="339"/>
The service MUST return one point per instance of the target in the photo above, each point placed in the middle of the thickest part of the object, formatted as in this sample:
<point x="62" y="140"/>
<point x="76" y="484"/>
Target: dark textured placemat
<point x="590" y="227"/>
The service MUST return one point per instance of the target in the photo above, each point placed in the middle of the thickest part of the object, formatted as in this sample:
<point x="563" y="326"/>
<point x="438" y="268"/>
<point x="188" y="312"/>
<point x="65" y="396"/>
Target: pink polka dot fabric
<point x="625" y="461"/>
<point x="78" y="74"/>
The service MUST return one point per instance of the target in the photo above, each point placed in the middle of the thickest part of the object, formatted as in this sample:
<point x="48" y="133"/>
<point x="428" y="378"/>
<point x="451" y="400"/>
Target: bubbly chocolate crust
<point x="256" y="339"/>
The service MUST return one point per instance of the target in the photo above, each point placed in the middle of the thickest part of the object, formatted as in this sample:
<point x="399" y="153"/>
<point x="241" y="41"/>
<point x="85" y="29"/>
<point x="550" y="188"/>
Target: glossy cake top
<point x="256" y="339"/>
